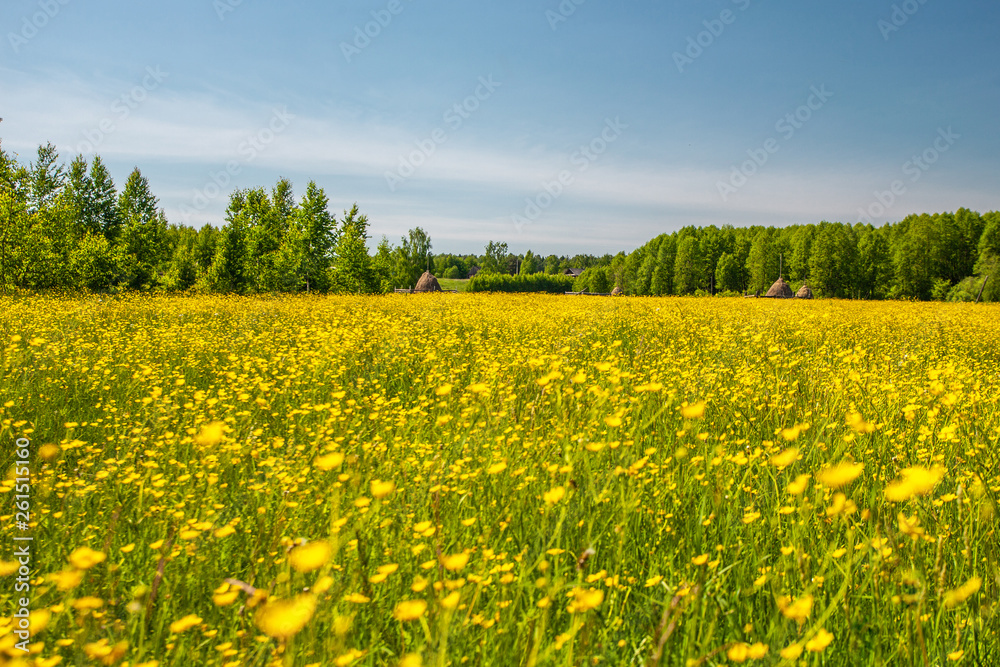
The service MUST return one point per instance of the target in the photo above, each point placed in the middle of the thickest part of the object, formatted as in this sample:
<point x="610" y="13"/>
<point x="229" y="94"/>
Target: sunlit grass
<point x="451" y="479"/>
<point x="454" y="284"/>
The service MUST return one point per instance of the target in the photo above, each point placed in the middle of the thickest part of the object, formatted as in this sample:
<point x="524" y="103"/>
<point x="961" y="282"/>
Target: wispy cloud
<point x="617" y="203"/>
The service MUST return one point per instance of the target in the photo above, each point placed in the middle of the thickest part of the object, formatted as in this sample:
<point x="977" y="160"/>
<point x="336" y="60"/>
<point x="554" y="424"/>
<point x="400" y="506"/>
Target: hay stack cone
<point x="804" y="292"/>
<point x="427" y="283"/>
<point x="617" y="291"/>
<point x="780" y="290"/>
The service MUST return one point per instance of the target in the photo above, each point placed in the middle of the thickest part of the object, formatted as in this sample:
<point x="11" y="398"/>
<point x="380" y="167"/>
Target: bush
<point x="940" y="289"/>
<point x="968" y="289"/>
<point x="535" y="282"/>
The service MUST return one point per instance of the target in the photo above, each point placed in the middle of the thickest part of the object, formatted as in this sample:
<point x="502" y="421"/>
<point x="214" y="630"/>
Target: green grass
<point x="454" y="283"/>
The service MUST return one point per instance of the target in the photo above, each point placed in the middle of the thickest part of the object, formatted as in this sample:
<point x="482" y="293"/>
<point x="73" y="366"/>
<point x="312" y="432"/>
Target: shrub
<point x="535" y="282"/>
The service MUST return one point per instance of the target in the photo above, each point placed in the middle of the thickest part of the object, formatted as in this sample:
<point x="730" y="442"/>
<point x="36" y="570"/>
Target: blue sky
<point x="581" y="126"/>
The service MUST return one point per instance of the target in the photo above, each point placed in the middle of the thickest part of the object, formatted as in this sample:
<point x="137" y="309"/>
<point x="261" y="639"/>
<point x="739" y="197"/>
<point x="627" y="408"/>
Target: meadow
<point x="466" y="479"/>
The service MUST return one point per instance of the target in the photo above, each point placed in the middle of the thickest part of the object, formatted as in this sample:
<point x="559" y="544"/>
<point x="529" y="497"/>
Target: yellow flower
<point x="757" y="650"/>
<point x="381" y="489"/>
<point x="87" y="602"/>
<point x="955" y="656"/>
<point x="225" y="598"/>
<point x="798" y="487"/>
<point x="820" y="641"/>
<point x="700" y="560"/>
<point x="694" y="410"/>
<point x="356" y="598"/>
<point x="411" y="660"/>
<point x="959" y="595"/>
<point x="585" y="599"/>
<point x="103" y="651"/>
<point x="793" y="432"/>
<point x="349" y="657"/>
<point x="210" y="434"/>
<point x="915" y="481"/>
<point x="652" y="581"/>
<point x="67" y="579"/>
<point x="554" y="495"/>
<point x="455" y="562"/>
<point x="48" y="452"/>
<point x="186" y="623"/>
<point x="451" y="601"/>
<point x="225" y="531"/>
<point x="496" y="468"/>
<point x="329" y="461"/>
<point x="738" y="652"/>
<point x="39" y="620"/>
<point x="785" y="458"/>
<point x="798" y="609"/>
<point x="310" y="556"/>
<point x="85" y="558"/>
<point x="858" y="424"/>
<point x="791" y="652"/>
<point x="477" y="388"/>
<point x="840" y="474"/>
<point x="443" y="390"/>
<point x="409" y="610"/>
<point x="282" y="619"/>
<point x="8" y="567"/>
<point x="613" y="421"/>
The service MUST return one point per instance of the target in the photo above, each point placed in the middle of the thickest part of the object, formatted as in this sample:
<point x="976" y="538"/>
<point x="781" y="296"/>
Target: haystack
<point x="618" y="291"/>
<point x="780" y="290"/>
<point x="427" y="283"/>
<point x="804" y="292"/>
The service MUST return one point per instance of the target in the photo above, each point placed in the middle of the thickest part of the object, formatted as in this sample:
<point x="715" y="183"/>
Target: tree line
<point x="68" y="226"/>
<point x="944" y="256"/>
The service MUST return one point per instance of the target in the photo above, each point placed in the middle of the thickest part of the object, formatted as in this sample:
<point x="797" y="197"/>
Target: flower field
<point x="501" y="480"/>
